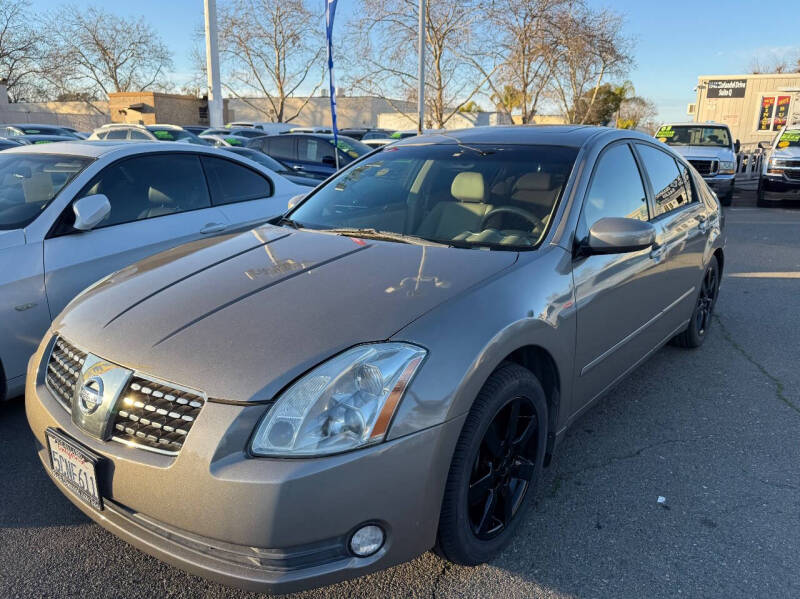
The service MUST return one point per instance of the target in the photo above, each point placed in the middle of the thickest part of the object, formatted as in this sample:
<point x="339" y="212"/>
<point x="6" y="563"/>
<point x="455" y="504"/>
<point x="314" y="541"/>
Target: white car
<point x="73" y="212"/>
<point x="135" y="132"/>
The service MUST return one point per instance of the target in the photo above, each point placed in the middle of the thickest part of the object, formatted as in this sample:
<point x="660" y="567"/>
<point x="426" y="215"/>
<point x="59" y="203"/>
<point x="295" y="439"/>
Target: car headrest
<point x="155" y="196"/>
<point x="533" y="182"/>
<point x="468" y="187"/>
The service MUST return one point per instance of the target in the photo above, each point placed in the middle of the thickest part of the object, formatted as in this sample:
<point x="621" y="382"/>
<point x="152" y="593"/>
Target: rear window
<point x="28" y="183"/>
<point x="230" y="182"/>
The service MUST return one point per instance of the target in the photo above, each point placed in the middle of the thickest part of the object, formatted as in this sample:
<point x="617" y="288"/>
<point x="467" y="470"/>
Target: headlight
<point x="726" y="167"/>
<point x="345" y="403"/>
<point x="775" y="166"/>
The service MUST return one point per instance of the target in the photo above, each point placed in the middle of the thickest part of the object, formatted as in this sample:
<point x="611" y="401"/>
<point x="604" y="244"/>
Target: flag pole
<point x="330" y="15"/>
<point x="421" y="68"/>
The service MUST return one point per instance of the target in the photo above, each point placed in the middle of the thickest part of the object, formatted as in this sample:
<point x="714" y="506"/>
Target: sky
<point x="675" y="41"/>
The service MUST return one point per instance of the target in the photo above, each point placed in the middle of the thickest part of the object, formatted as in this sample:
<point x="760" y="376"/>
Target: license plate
<point x="74" y="467"/>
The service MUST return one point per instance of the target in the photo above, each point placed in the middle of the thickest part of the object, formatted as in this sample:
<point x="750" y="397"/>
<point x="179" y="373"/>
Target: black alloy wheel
<point x="700" y="323"/>
<point x="706" y="301"/>
<point x="496" y="464"/>
<point x="503" y="469"/>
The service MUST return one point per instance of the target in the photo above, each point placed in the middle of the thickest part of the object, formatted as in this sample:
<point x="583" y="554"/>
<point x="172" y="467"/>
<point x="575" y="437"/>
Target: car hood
<point x="10" y="238"/>
<point x="790" y="152"/>
<point x="704" y="152"/>
<point x="239" y="317"/>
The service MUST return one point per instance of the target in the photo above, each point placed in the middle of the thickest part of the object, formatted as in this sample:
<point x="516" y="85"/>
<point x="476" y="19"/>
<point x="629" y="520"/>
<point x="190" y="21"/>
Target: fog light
<point x="366" y="540"/>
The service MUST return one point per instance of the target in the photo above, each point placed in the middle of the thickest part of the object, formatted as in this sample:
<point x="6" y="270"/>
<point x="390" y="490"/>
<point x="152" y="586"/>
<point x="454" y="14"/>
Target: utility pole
<point x="212" y="65"/>
<point x="421" y="69"/>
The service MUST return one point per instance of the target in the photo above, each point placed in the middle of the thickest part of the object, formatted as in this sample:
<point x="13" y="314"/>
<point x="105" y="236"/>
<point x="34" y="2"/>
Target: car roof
<point x="696" y="124"/>
<point x="555" y="135"/>
<point x="98" y="148"/>
<point x="32" y="125"/>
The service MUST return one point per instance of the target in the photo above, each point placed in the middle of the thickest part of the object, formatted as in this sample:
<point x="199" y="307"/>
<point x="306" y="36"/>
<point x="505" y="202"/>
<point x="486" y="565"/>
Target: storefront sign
<point x="765" y="117"/>
<point x="726" y="88"/>
<point x="781" y="112"/>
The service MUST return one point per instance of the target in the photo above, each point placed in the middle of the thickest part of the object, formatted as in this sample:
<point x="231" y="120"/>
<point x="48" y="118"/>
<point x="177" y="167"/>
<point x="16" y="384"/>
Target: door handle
<point x="210" y="228"/>
<point x="657" y="253"/>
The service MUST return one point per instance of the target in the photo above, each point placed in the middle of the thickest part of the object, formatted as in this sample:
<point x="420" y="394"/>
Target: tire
<point x="700" y="323"/>
<point x="760" y="201"/>
<point x="466" y="535"/>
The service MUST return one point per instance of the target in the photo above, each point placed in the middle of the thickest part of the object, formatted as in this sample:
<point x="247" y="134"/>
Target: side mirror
<point x="90" y="211"/>
<point x="294" y="201"/>
<point x="737" y="145"/>
<point x="764" y="145"/>
<point x="619" y="235"/>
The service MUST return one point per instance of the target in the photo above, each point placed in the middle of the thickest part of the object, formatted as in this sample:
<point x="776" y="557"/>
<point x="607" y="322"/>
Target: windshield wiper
<point x="288" y="221"/>
<point x="369" y="233"/>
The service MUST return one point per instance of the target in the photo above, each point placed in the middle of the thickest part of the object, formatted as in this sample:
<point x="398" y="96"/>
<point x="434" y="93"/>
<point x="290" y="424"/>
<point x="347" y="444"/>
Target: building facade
<point x="755" y="107"/>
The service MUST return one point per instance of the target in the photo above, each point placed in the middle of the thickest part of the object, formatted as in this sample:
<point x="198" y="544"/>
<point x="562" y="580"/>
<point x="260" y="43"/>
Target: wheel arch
<point x="719" y="254"/>
<point x="542" y="364"/>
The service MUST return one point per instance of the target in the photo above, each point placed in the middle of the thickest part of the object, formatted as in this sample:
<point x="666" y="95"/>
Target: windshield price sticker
<point x="164" y="135"/>
<point x="667" y="131"/>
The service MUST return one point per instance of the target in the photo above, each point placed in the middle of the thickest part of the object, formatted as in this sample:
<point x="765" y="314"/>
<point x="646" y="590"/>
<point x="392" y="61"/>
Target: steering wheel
<point x="531" y="218"/>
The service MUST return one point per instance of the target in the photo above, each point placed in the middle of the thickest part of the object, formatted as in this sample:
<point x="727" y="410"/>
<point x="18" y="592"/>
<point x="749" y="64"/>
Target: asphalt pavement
<point x="713" y="431"/>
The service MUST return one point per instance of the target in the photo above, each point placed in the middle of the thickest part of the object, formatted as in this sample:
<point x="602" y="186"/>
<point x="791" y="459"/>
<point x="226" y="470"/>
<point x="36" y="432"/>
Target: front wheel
<point x="695" y="333"/>
<point x="496" y="465"/>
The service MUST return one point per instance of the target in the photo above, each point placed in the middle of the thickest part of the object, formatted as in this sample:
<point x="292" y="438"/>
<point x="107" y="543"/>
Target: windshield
<point x="37" y="130"/>
<point x="351" y="147"/>
<point x="249" y="133"/>
<point x="497" y="196"/>
<point x="789" y="139"/>
<point x="164" y="134"/>
<point x="261" y="158"/>
<point x="688" y="135"/>
<point x="29" y="182"/>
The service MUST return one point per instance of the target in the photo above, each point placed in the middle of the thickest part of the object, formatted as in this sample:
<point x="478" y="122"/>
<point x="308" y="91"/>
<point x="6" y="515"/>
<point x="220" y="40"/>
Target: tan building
<point x="755" y="107"/>
<point x="149" y="108"/>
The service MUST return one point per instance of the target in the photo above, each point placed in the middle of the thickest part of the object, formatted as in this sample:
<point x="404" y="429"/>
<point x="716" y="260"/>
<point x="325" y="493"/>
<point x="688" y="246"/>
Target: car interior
<point x="28" y="184"/>
<point x="486" y="200"/>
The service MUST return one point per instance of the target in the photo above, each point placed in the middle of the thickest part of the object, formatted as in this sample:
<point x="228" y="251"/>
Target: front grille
<point x="156" y="415"/>
<point x="63" y="370"/>
<point x="705" y="167"/>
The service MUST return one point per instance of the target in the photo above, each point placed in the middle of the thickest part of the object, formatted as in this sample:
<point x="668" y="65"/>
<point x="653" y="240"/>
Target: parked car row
<point x="386" y="367"/>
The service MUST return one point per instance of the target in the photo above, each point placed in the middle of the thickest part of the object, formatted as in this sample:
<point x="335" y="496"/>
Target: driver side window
<point x="616" y="189"/>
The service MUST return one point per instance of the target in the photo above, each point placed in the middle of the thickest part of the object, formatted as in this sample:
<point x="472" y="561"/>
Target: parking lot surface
<point x="713" y="431"/>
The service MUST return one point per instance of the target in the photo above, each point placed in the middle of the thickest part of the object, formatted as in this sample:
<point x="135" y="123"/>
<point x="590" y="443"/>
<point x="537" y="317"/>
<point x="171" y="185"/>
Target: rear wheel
<point x="496" y="465"/>
<point x="696" y="332"/>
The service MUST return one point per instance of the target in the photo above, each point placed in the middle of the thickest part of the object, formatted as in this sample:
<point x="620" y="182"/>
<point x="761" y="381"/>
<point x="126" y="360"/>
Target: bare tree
<point x="385" y="54"/>
<point x="589" y="46"/>
<point x="95" y="51"/>
<point x="271" y="47"/>
<point x="786" y="63"/>
<point x="20" y="51"/>
<point x="522" y="34"/>
<point x="636" y="113"/>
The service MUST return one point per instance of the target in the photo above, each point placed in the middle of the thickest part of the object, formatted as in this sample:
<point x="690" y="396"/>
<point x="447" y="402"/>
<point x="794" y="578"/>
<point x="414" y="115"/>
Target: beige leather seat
<point x="160" y="204"/>
<point x="536" y="192"/>
<point x="449" y="219"/>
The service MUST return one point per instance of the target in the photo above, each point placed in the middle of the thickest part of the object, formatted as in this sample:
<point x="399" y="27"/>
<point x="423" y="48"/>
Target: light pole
<point x="212" y="65"/>
<point x="421" y="68"/>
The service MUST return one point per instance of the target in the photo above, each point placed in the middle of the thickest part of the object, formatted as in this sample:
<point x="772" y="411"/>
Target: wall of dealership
<point x="755" y="107"/>
<point x="83" y="116"/>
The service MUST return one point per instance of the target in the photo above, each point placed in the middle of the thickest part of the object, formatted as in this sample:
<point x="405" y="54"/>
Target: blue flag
<point x="330" y="15"/>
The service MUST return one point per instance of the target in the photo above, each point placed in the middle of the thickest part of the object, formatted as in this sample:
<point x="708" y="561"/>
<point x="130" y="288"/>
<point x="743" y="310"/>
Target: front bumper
<point x="270" y="525"/>
<point x="721" y="184"/>
<point x="778" y="187"/>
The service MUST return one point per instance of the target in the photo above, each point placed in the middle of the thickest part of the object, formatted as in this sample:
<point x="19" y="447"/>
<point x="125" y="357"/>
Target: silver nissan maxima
<point x="385" y="369"/>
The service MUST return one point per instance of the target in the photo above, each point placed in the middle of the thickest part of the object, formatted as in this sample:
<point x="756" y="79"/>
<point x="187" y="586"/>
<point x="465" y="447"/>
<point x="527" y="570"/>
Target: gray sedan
<point x="386" y="368"/>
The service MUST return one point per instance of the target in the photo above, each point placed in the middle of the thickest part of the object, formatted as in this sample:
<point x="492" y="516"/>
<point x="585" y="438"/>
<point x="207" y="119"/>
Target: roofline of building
<point x="750" y="76"/>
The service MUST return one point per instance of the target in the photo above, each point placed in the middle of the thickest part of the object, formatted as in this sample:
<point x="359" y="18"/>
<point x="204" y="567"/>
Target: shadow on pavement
<point x="29" y="498"/>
